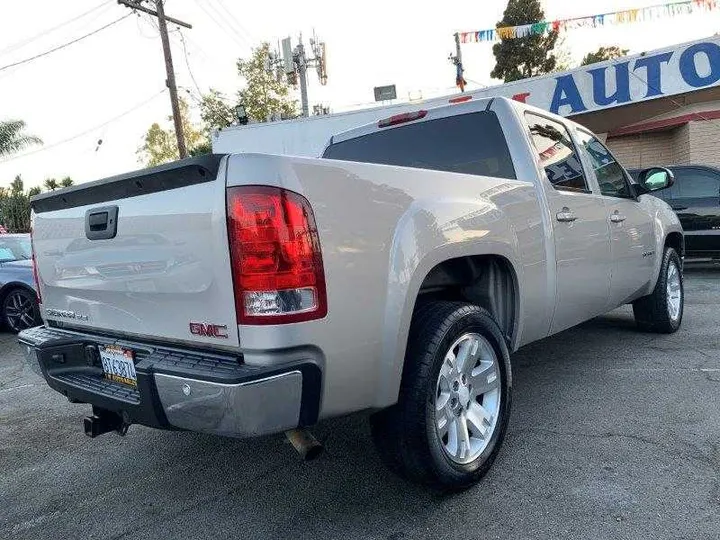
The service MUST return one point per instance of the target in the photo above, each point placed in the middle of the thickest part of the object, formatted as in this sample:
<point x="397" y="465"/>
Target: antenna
<point x="294" y="64"/>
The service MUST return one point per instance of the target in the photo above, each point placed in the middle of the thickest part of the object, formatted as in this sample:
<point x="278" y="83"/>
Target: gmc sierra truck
<point x="250" y="294"/>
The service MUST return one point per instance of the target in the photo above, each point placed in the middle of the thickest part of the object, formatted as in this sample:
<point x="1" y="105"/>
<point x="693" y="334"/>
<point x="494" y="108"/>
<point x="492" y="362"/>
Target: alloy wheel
<point x="20" y="311"/>
<point x="467" y="398"/>
<point x="674" y="291"/>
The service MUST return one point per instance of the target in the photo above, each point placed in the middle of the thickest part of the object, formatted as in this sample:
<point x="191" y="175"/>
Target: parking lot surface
<point x="614" y="434"/>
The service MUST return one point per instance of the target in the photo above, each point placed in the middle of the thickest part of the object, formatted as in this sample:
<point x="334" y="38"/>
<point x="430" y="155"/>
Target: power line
<point x="230" y="34"/>
<point x="187" y="63"/>
<point x="234" y="22"/>
<point x="23" y="42"/>
<point x="87" y="131"/>
<point x="140" y="19"/>
<point x="26" y="60"/>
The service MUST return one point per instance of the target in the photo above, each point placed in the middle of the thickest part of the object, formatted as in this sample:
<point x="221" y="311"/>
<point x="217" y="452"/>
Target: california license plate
<point x="118" y="364"/>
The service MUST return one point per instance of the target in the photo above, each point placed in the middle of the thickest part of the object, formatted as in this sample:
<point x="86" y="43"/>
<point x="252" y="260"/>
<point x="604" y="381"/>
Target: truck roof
<point x="459" y="105"/>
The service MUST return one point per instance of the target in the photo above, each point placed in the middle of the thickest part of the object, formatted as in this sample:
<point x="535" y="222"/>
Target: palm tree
<point x="51" y="184"/>
<point x="12" y="137"/>
<point x="66" y="182"/>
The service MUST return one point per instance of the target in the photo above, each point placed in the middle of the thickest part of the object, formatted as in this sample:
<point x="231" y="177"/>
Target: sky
<point x="110" y="86"/>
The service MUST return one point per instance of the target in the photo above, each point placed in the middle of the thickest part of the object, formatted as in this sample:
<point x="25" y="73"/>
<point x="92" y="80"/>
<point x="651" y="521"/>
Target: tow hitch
<point x="103" y="421"/>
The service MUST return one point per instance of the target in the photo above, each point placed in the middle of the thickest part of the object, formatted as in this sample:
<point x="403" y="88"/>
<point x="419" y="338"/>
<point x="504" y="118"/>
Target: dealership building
<point x="656" y="108"/>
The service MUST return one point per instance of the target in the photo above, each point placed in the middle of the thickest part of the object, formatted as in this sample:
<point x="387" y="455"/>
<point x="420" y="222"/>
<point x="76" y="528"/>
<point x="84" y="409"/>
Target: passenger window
<point x="609" y="173"/>
<point x="557" y="153"/>
<point x="697" y="184"/>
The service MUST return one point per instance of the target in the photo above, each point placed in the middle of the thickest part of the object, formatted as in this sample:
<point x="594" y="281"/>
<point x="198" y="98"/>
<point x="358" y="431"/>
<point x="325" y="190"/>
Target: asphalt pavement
<point x="614" y="434"/>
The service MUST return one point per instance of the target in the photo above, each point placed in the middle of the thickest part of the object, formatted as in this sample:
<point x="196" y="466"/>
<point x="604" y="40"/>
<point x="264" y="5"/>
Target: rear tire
<point x="454" y="403"/>
<point x="662" y="310"/>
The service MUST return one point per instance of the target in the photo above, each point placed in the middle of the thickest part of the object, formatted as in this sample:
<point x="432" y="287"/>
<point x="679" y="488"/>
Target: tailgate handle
<point x="101" y="223"/>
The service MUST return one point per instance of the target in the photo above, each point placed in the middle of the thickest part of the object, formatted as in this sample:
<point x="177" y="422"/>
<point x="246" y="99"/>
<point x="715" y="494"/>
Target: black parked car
<point x="695" y="197"/>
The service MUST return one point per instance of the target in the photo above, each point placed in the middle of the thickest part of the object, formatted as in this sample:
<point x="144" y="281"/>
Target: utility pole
<point x="170" y="81"/>
<point x="302" y="72"/>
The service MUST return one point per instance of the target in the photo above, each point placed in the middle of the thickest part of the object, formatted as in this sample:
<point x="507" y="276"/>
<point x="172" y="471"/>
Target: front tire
<point x="662" y="310"/>
<point x="454" y="404"/>
<point x="19" y="310"/>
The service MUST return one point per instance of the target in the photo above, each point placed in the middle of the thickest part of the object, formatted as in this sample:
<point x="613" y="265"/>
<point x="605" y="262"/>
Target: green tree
<point x="160" y="145"/>
<point x="602" y="54"/>
<point x="13" y="137"/>
<point x="36" y="190"/>
<point x="51" y="184"/>
<point x="215" y="111"/>
<point x="66" y="182"/>
<point x="264" y="95"/>
<point x="520" y="58"/>
<point x="15" y="207"/>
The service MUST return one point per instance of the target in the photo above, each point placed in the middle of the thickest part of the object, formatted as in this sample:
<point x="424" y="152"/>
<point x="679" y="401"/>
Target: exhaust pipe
<point x="306" y="445"/>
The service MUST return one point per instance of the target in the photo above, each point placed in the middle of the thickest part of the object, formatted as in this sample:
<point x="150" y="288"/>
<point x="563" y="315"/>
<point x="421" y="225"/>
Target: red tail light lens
<point x="275" y="255"/>
<point x="34" y="268"/>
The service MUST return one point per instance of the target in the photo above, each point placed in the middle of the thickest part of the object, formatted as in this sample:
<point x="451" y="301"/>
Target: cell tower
<point x="294" y="63"/>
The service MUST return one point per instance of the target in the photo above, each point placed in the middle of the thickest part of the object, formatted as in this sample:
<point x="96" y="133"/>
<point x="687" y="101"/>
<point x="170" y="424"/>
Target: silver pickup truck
<point x="252" y="294"/>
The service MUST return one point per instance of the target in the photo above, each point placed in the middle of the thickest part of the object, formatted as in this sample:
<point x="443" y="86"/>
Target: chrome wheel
<point x="467" y="398"/>
<point x="20" y="310"/>
<point x="674" y="291"/>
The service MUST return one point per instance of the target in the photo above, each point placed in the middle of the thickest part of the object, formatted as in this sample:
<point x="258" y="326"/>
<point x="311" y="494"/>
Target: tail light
<point x="275" y="255"/>
<point x="460" y="99"/>
<point x="34" y="268"/>
<point x="402" y="118"/>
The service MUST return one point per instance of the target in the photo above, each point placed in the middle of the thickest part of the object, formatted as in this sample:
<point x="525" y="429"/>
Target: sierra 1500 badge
<point x="209" y="330"/>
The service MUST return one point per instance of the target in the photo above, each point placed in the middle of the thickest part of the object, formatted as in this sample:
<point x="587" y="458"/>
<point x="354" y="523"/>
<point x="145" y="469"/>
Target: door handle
<point x="101" y="223"/>
<point x="565" y="215"/>
<point x="679" y="207"/>
<point x="617" y="218"/>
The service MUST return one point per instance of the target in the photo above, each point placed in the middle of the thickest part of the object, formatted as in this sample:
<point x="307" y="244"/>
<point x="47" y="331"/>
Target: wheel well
<point x="675" y="241"/>
<point x="487" y="281"/>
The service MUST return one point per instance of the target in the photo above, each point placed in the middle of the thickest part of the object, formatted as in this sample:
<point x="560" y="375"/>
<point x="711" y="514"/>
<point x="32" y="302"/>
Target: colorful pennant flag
<point x="593" y="21"/>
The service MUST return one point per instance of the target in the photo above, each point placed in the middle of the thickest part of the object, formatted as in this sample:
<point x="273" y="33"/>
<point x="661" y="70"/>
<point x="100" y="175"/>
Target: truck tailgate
<point x="164" y="274"/>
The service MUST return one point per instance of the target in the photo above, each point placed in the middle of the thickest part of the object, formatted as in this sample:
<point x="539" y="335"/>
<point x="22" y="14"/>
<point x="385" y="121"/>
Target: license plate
<point x="118" y="365"/>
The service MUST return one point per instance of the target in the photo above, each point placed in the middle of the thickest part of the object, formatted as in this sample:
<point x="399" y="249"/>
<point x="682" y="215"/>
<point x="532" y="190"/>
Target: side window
<point x="610" y="174"/>
<point x="557" y="153"/>
<point x="696" y="184"/>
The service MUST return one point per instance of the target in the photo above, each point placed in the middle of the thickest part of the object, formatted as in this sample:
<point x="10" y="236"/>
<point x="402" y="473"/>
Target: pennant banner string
<point x="592" y="21"/>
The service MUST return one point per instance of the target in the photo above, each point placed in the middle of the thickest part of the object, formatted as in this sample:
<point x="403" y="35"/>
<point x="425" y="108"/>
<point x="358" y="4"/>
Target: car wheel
<point x="20" y="310"/>
<point x="454" y="403"/>
<point x="662" y="311"/>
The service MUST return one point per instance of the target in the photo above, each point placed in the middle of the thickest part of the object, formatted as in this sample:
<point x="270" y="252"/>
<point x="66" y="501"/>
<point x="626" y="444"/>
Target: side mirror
<point x="656" y="178"/>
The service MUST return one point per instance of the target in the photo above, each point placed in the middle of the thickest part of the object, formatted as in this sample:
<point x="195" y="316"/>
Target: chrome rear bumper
<point x="269" y="405"/>
<point x="179" y="389"/>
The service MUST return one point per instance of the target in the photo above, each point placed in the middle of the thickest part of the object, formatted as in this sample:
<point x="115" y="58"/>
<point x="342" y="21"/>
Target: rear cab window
<point x="557" y="153"/>
<point x="471" y="143"/>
